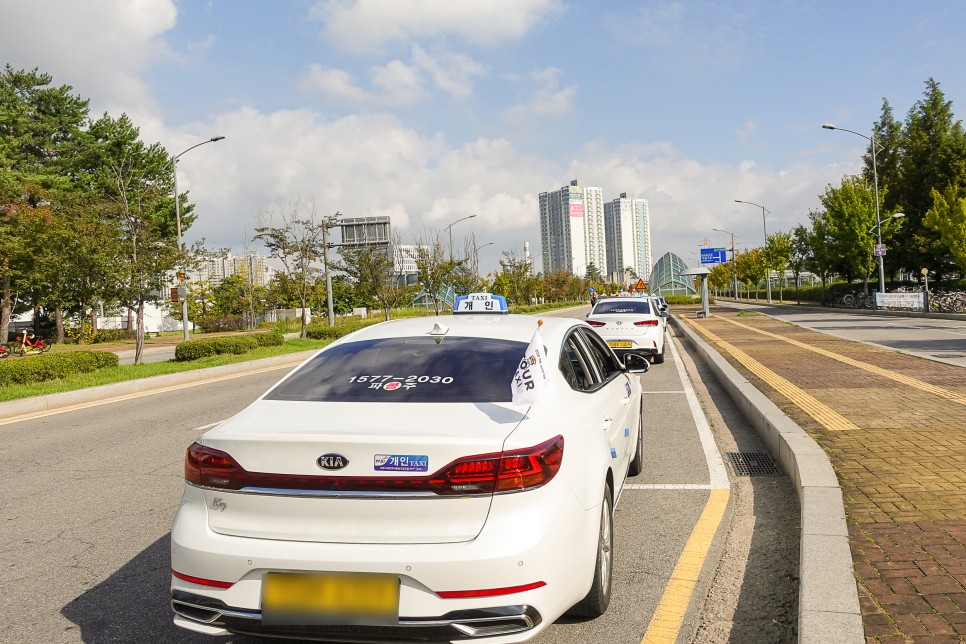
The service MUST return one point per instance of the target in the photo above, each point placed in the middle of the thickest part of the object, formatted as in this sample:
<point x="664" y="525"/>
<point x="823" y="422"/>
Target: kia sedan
<point x="630" y="325"/>
<point x="388" y="489"/>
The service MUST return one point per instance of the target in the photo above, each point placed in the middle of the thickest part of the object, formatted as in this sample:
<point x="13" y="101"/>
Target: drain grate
<point x="752" y="464"/>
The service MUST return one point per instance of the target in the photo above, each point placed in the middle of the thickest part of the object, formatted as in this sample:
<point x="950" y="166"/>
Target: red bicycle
<point x="28" y="342"/>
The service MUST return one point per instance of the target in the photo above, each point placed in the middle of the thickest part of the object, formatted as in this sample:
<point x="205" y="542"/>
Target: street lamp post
<point x="449" y="229"/>
<point x="734" y="263"/>
<point x="875" y="186"/>
<point x="183" y="296"/>
<point x="765" y="231"/>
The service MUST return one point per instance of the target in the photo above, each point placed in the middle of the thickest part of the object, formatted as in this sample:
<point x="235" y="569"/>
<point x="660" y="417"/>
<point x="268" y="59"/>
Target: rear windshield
<point x="633" y="307"/>
<point x="408" y="370"/>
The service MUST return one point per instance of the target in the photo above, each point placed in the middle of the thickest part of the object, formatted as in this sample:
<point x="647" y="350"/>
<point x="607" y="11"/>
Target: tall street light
<point x="449" y="229"/>
<point x="734" y="263"/>
<point x="875" y="185"/>
<point x="177" y="214"/>
<point x="764" y="230"/>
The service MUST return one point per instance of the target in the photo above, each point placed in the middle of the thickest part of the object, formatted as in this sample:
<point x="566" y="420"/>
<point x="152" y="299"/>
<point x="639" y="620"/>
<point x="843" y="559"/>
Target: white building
<point x="628" y="230"/>
<point x="572" y="229"/>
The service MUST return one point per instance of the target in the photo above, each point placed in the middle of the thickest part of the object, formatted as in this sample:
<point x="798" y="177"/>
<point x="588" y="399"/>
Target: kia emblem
<point x="332" y="461"/>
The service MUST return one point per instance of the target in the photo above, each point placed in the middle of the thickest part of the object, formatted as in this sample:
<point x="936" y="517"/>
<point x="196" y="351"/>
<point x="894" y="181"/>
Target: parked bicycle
<point x="28" y="342"/>
<point x="857" y="300"/>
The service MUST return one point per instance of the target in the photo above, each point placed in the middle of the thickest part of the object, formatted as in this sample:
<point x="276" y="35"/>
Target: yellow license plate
<point x="620" y="345"/>
<point x="330" y="598"/>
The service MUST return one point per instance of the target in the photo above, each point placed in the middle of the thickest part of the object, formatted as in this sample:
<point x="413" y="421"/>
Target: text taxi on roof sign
<point x="480" y="303"/>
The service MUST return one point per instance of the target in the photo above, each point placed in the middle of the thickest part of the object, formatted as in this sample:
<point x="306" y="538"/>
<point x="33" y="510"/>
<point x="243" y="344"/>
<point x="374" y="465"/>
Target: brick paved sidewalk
<point x="902" y="471"/>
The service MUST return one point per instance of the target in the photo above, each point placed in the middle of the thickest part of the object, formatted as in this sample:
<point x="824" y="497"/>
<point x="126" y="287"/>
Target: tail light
<point x="646" y="323"/>
<point x="596" y="323"/>
<point x="513" y="471"/>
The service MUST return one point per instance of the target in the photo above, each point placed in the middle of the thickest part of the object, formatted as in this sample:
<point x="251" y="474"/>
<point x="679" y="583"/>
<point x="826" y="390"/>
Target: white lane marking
<point x="716" y="468"/>
<point x="667" y="486"/>
<point x="677" y="391"/>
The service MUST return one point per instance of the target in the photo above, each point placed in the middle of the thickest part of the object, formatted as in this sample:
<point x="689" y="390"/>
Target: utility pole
<point x="329" y="223"/>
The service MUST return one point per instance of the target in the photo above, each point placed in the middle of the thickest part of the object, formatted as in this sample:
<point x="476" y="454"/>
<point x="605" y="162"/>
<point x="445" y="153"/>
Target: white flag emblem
<point x="531" y="383"/>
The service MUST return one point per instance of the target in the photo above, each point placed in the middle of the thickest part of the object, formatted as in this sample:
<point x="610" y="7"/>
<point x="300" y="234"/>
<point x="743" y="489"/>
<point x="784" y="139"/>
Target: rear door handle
<point x="607" y="423"/>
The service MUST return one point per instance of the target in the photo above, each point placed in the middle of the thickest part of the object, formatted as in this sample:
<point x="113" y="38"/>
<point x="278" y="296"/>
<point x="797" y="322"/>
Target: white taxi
<point x="390" y="489"/>
<point x="630" y="325"/>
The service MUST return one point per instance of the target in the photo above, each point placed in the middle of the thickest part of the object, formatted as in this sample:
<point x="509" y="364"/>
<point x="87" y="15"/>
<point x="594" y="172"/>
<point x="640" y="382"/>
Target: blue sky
<point x="430" y="110"/>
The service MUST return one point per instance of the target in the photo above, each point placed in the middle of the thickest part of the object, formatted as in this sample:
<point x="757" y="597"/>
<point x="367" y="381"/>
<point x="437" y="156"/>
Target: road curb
<point x="49" y="402"/>
<point x="828" y="599"/>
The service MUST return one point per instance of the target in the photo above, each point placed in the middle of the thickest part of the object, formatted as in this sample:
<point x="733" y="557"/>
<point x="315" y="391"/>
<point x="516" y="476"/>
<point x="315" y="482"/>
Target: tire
<point x="659" y="357"/>
<point x="848" y="299"/>
<point x="596" y="602"/>
<point x="46" y="347"/>
<point x="637" y="463"/>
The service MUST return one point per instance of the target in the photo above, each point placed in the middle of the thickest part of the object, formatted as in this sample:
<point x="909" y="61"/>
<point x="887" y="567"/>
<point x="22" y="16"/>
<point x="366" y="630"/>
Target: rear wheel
<point x="596" y="602"/>
<point x="659" y="357"/>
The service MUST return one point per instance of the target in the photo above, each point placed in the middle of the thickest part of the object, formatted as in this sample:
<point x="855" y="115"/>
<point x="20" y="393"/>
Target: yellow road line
<point x="822" y="413"/>
<point x="141" y="394"/>
<point x="669" y="614"/>
<point x="948" y="394"/>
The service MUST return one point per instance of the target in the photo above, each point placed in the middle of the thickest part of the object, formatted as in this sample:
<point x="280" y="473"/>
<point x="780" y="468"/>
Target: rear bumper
<point x="212" y="616"/>
<point x="543" y="535"/>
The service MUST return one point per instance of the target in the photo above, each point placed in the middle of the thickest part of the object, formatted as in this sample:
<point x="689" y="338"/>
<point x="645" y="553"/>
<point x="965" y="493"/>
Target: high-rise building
<point x="253" y="269"/>
<point x="572" y="229"/>
<point x="628" y="231"/>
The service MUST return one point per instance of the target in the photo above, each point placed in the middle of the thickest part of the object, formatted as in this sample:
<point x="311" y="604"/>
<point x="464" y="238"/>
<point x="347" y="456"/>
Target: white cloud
<point x="398" y="84"/>
<point x="369" y="25"/>
<point x="99" y="48"/>
<point x="548" y="99"/>
<point x="451" y="73"/>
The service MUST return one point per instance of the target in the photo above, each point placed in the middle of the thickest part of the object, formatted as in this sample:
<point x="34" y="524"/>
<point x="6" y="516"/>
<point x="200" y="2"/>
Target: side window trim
<point x="609" y="356"/>
<point x="585" y="362"/>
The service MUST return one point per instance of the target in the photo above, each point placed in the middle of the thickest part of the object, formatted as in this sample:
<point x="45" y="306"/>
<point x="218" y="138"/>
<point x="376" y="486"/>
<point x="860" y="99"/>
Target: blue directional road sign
<point x="714" y="255"/>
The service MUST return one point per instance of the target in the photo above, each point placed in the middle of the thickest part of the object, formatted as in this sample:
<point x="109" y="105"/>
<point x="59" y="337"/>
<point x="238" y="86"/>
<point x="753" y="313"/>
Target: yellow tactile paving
<point x="879" y="371"/>
<point x="822" y="413"/>
<point x="669" y="614"/>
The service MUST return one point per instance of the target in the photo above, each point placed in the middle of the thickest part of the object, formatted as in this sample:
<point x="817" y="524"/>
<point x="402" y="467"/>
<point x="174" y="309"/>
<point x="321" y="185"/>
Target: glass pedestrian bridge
<point x="666" y="278"/>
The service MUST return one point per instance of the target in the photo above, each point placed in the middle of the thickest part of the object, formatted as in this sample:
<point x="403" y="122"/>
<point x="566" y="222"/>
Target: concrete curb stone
<point x="828" y="601"/>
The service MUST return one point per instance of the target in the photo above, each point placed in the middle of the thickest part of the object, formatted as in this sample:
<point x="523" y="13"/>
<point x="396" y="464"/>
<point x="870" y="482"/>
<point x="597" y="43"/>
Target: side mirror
<point x="636" y="363"/>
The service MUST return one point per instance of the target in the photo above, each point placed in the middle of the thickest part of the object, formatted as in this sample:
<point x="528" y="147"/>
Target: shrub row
<point x="232" y="344"/>
<point x="27" y="371"/>
<point x="113" y="335"/>
<point x="325" y="332"/>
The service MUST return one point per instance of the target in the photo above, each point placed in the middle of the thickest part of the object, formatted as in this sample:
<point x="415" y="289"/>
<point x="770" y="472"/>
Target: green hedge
<point x="232" y="344"/>
<point x="27" y="371"/>
<point x="323" y="332"/>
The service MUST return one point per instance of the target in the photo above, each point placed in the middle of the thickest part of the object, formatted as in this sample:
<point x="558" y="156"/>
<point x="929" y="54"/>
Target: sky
<point x="429" y="111"/>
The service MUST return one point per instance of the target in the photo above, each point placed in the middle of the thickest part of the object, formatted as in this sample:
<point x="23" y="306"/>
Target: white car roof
<point x="517" y="327"/>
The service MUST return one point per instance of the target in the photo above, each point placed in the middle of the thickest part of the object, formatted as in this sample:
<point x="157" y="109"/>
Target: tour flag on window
<point x="531" y="382"/>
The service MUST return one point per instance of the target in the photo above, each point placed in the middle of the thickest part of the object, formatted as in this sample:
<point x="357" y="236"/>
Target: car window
<point x="412" y="369"/>
<point x="574" y="367"/>
<point x="633" y="307"/>
<point x="600" y="355"/>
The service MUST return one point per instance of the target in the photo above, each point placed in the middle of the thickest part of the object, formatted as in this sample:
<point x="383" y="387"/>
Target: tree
<point x="801" y="251"/>
<point x="136" y="181"/>
<point x="933" y="158"/>
<point x="520" y="285"/>
<point x="40" y="135"/>
<point x="948" y="217"/>
<point x="850" y="214"/>
<point x="751" y="267"/>
<point x="377" y="279"/>
<point x="592" y="273"/>
<point x="298" y="243"/>
<point x="821" y="259"/>
<point x="436" y="272"/>
<point x="778" y="252"/>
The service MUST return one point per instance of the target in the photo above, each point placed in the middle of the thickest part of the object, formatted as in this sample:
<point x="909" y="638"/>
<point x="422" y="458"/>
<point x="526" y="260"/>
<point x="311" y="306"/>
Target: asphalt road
<point x="91" y="493"/>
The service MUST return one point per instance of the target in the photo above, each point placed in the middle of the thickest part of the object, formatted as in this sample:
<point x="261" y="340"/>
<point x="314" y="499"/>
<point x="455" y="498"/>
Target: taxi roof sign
<point x="480" y="303"/>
